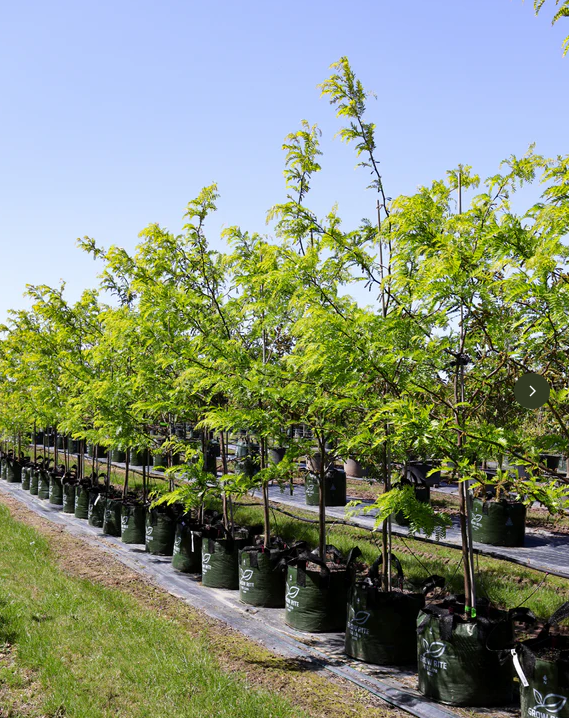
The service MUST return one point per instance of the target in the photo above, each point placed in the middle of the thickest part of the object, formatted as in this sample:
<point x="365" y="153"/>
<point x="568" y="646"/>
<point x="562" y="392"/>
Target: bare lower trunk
<point x="322" y="502"/>
<point x="125" y="486"/>
<point x="223" y="449"/>
<point x="386" y="527"/>
<point x="266" y="515"/>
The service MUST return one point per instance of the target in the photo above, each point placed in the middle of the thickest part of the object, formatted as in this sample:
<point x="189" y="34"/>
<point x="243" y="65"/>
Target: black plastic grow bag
<point x="82" y="501"/>
<point x="315" y="598"/>
<point x="26" y="474"/>
<point x="96" y="511"/>
<point x="160" y="531"/>
<point x="187" y="553"/>
<point x="498" y="523"/>
<point x="220" y="558"/>
<point x="133" y="523"/>
<point x="544" y="681"/>
<point x="112" y="517"/>
<point x="381" y="626"/>
<point x="334" y="488"/>
<point x="455" y="664"/>
<point x="262" y="576"/>
<point x="69" y="498"/>
<point x="118" y="456"/>
<point x="55" y="490"/>
<point x="13" y="472"/>
<point x="422" y="494"/>
<point x="417" y="472"/>
<point x="34" y="481"/>
<point x="43" y="485"/>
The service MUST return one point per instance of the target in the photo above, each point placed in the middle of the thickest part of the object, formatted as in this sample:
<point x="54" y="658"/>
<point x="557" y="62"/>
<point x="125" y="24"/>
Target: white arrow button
<point x="532" y="390"/>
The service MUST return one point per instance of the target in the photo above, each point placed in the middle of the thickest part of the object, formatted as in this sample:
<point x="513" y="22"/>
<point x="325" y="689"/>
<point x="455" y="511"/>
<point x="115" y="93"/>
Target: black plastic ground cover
<point x="265" y="626"/>
<point x="542" y="551"/>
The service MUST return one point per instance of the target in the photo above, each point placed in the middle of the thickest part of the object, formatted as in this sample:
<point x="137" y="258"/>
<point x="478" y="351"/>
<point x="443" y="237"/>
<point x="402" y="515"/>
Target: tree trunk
<point x="108" y="479"/>
<point x="386" y="527"/>
<point x="265" y="488"/>
<point x="321" y="501"/>
<point x="125" y="486"/>
<point x="223" y="449"/>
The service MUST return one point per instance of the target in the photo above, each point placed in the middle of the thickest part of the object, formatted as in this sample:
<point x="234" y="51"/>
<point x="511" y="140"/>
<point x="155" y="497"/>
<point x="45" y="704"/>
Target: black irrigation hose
<point x="300" y="518"/>
<point x="421" y="564"/>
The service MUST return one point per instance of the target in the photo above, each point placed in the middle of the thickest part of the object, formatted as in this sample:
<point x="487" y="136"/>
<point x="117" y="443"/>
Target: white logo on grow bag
<point x="361" y="617"/>
<point x="149" y="531"/>
<point x="434" y="649"/>
<point x="177" y="544"/>
<point x="552" y="703"/>
<point x="124" y="522"/>
<point x="476" y="520"/>
<point x="206" y="557"/>
<point x="245" y="582"/>
<point x="291" y="594"/>
<point x="431" y="653"/>
<point x="206" y="566"/>
<point x="357" y="623"/>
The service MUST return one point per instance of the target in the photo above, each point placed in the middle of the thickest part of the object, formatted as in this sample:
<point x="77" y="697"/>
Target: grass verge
<point x="86" y="638"/>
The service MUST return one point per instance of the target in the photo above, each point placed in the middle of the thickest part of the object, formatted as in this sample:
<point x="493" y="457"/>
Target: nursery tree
<point x="562" y="11"/>
<point x="358" y="344"/>
<point x="456" y="267"/>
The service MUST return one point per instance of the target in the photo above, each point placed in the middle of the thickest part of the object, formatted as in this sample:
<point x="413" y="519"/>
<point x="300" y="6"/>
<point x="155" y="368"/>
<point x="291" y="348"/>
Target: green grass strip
<point x="98" y="654"/>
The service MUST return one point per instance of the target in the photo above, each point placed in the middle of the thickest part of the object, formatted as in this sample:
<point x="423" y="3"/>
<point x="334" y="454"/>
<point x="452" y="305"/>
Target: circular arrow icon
<point x="531" y="391"/>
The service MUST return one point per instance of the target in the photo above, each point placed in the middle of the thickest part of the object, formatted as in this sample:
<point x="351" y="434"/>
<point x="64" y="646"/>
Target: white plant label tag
<point x="519" y="669"/>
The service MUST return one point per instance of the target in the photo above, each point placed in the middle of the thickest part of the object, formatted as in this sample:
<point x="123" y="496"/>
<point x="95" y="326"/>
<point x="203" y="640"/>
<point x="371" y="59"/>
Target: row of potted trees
<point x="266" y="335"/>
<point x="385" y="627"/>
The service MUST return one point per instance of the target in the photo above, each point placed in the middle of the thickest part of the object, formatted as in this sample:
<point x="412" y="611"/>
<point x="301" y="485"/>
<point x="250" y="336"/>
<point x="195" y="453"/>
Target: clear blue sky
<point x="114" y="114"/>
